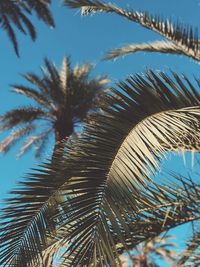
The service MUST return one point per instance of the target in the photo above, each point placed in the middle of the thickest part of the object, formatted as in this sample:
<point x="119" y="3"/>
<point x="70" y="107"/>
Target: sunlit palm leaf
<point x="183" y="36"/>
<point x="158" y="46"/>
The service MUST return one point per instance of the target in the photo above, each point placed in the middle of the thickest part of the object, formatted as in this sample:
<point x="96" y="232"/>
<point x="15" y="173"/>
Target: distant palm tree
<point x="63" y="98"/>
<point x="17" y="13"/>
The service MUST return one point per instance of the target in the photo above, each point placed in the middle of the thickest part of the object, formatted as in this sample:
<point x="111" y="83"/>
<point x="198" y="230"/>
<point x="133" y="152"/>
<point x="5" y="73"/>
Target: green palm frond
<point x="12" y="13"/>
<point x="184" y="37"/>
<point x="157" y="46"/>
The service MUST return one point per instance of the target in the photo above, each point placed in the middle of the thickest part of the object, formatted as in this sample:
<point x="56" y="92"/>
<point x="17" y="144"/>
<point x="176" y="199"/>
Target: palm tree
<point x="17" y="13"/>
<point x="111" y="204"/>
<point x="62" y="100"/>
<point x="181" y="39"/>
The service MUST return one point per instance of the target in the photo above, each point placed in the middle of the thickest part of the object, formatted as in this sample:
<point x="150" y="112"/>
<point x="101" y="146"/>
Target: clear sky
<point x="86" y="39"/>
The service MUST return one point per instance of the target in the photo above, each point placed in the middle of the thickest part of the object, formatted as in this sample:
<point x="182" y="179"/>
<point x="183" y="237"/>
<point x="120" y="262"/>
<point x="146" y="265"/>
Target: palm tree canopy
<point x="109" y="204"/>
<point x="62" y="100"/>
<point x="17" y="13"/>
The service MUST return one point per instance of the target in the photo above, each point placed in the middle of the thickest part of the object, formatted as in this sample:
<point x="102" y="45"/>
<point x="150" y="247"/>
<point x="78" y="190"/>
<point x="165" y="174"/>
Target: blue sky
<point x="86" y="39"/>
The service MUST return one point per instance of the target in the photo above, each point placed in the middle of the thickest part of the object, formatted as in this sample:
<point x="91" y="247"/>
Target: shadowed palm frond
<point x="15" y="14"/>
<point x="34" y="228"/>
<point x="41" y="7"/>
<point x="103" y="234"/>
<point x="20" y="116"/>
<point x="26" y="223"/>
<point x="158" y="46"/>
<point x="184" y="37"/>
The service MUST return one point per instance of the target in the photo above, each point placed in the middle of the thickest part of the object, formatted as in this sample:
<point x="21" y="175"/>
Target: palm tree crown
<point x="63" y="98"/>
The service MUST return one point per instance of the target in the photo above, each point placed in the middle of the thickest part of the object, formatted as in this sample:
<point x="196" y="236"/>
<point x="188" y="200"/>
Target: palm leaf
<point x="33" y="94"/>
<point x="158" y="46"/>
<point x="20" y="116"/>
<point x="115" y="158"/>
<point x="41" y="7"/>
<point x="26" y="222"/>
<point x="39" y="141"/>
<point x="117" y="231"/>
<point x="16" y="134"/>
<point x="184" y="37"/>
<point x="190" y="255"/>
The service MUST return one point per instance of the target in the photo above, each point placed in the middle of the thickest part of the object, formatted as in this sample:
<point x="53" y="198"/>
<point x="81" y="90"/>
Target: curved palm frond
<point x="157" y="46"/>
<point x="184" y="37"/>
<point x="114" y="159"/>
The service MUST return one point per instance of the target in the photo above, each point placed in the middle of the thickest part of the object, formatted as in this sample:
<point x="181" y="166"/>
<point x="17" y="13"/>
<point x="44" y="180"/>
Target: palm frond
<point x="64" y="74"/>
<point x="114" y="160"/>
<point x="31" y="93"/>
<point x="26" y="222"/>
<point x="103" y="235"/>
<point x="20" y="116"/>
<point x="191" y="254"/>
<point x="39" y="141"/>
<point x="82" y="71"/>
<point x="184" y="37"/>
<point x="11" y="13"/>
<point x="41" y="7"/>
<point x="15" y="14"/>
<point x="157" y="46"/>
<point x="15" y="135"/>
